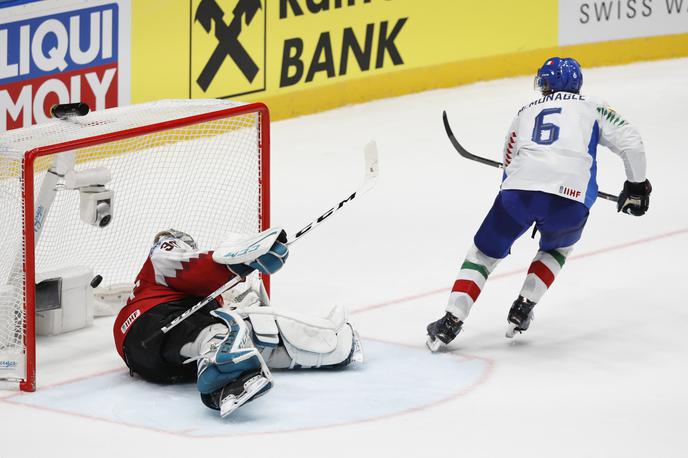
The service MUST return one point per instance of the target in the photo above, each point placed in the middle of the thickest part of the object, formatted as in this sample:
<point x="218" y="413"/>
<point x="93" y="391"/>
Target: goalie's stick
<point x="462" y="151"/>
<point x="371" y="171"/>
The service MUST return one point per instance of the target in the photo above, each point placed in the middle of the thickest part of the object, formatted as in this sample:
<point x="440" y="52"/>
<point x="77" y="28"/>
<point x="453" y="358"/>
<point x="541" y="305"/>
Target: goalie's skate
<point x="520" y="316"/>
<point x="234" y="396"/>
<point x="231" y="371"/>
<point x="443" y="331"/>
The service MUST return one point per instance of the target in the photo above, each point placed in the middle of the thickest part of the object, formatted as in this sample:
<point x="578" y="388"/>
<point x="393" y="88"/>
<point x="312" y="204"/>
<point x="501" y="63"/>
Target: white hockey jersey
<point x="552" y="146"/>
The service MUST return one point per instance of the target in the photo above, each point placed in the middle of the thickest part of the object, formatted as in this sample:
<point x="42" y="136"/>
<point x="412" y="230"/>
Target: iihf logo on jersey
<point x="227" y="48"/>
<point x="569" y="192"/>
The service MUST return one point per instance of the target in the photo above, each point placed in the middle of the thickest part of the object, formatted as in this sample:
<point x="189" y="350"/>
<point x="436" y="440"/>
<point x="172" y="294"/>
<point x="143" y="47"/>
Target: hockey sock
<point x="469" y="283"/>
<point x="542" y="272"/>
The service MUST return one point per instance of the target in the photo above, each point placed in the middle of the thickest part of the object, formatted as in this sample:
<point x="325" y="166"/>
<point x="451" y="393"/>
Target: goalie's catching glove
<point x="274" y="259"/>
<point x="634" y="199"/>
<point x="266" y="252"/>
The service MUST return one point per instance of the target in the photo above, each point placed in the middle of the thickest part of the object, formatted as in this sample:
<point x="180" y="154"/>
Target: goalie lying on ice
<point x="227" y="346"/>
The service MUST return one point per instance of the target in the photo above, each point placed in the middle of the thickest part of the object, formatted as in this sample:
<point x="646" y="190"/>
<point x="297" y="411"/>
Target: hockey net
<point x="197" y="166"/>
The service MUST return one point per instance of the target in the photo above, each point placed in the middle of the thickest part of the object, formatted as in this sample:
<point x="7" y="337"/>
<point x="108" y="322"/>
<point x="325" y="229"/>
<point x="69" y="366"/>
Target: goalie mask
<point x="179" y="235"/>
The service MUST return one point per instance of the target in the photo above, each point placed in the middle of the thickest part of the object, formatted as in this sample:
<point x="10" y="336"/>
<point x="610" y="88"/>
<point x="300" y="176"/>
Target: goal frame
<point x="29" y="383"/>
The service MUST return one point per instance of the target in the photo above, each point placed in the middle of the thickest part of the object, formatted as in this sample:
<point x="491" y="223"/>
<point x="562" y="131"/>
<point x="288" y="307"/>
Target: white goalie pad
<point x="307" y="341"/>
<point x="318" y="336"/>
<point x="290" y="339"/>
<point x="265" y="329"/>
<point x="242" y="249"/>
<point x="342" y="344"/>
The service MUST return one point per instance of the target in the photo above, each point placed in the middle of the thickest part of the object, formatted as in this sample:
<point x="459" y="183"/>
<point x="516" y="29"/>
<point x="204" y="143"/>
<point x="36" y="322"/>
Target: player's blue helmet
<point x="559" y="74"/>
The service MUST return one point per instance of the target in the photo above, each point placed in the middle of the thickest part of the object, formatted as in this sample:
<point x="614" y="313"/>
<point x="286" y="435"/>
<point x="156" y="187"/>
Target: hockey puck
<point x="96" y="281"/>
<point x="66" y="110"/>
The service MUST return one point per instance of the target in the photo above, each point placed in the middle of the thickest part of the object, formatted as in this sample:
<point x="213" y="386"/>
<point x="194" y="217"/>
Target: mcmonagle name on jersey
<point x="552" y="146"/>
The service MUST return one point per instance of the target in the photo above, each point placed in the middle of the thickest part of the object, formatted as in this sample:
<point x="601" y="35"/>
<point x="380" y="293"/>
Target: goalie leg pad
<point x="347" y="349"/>
<point x="304" y="341"/>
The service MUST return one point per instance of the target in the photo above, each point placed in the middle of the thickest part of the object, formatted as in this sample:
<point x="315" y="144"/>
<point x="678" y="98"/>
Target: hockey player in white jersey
<point x="549" y="180"/>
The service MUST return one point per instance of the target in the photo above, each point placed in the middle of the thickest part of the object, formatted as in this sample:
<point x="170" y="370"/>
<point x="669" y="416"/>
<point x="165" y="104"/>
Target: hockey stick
<point x="371" y="172"/>
<point x="462" y="151"/>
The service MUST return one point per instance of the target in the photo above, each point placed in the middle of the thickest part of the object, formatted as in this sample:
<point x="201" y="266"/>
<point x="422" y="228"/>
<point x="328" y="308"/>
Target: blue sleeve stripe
<point x="591" y="191"/>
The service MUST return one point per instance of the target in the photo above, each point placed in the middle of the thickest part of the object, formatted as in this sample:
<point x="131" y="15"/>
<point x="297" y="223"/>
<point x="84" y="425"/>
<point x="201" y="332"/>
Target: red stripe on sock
<point x="542" y="272"/>
<point x="467" y="286"/>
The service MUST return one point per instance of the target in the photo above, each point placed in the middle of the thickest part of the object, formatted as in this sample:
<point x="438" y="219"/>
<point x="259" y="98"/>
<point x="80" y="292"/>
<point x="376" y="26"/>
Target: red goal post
<point x="201" y="166"/>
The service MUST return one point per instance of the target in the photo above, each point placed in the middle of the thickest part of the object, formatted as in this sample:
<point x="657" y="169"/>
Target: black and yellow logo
<point x="227" y="48"/>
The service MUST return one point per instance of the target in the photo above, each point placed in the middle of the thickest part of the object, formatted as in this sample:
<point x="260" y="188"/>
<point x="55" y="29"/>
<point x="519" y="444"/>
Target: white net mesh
<point x="11" y="273"/>
<point x="203" y="179"/>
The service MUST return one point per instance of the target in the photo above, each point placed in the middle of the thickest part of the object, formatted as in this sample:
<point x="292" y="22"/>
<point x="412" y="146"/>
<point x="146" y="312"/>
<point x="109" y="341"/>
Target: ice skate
<point x="231" y="371"/>
<point x="520" y="316"/>
<point x="443" y="331"/>
<point x="234" y="395"/>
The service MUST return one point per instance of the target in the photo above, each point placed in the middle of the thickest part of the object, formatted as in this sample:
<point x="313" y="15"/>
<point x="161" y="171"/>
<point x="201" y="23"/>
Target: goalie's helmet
<point x="559" y="74"/>
<point x="179" y="235"/>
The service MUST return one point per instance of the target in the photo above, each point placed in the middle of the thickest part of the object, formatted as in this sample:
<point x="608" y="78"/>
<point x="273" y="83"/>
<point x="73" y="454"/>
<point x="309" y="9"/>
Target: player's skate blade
<point x="443" y="331"/>
<point x="231" y="400"/>
<point x="511" y="330"/>
<point x="433" y="344"/>
<point x="232" y="396"/>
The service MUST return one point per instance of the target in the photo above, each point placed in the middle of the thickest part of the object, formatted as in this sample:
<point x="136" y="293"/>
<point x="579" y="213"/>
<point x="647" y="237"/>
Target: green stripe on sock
<point x="560" y="258"/>
<point x="477" y="267"/>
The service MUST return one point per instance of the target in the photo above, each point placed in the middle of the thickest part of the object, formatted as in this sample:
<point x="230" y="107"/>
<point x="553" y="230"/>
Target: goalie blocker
<point x="233" y="350"/>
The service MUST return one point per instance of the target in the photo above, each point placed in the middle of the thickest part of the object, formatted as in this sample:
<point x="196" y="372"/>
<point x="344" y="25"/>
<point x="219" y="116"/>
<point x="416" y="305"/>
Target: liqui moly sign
<point x="70" y="55"/>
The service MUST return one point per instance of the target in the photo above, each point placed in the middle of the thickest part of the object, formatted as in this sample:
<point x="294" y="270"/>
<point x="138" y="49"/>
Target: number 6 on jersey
<point x="541" y="128"/>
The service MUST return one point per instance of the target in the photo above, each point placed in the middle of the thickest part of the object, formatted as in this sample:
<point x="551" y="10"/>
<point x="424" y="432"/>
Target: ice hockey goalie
<point x="228" y="346"/>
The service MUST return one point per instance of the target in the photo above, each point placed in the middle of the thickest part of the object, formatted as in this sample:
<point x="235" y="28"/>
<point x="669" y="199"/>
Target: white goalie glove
<point x="266" y="252"/>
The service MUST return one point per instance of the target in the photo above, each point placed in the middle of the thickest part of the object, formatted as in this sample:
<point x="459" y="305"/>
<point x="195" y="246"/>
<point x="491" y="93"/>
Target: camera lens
<point x="103" y="213"/>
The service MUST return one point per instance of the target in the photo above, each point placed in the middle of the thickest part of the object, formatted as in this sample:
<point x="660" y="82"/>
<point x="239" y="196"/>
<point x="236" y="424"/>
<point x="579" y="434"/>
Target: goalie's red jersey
<point x="173" y="271"/>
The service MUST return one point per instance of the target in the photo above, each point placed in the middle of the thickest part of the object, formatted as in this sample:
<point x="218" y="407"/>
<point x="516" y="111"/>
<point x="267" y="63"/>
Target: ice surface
<point x="602" y="372"/>
<point x="381" y="390"/>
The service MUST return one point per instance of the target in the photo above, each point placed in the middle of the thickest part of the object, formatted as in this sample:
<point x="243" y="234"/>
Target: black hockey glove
<point x="635" y="198"/>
